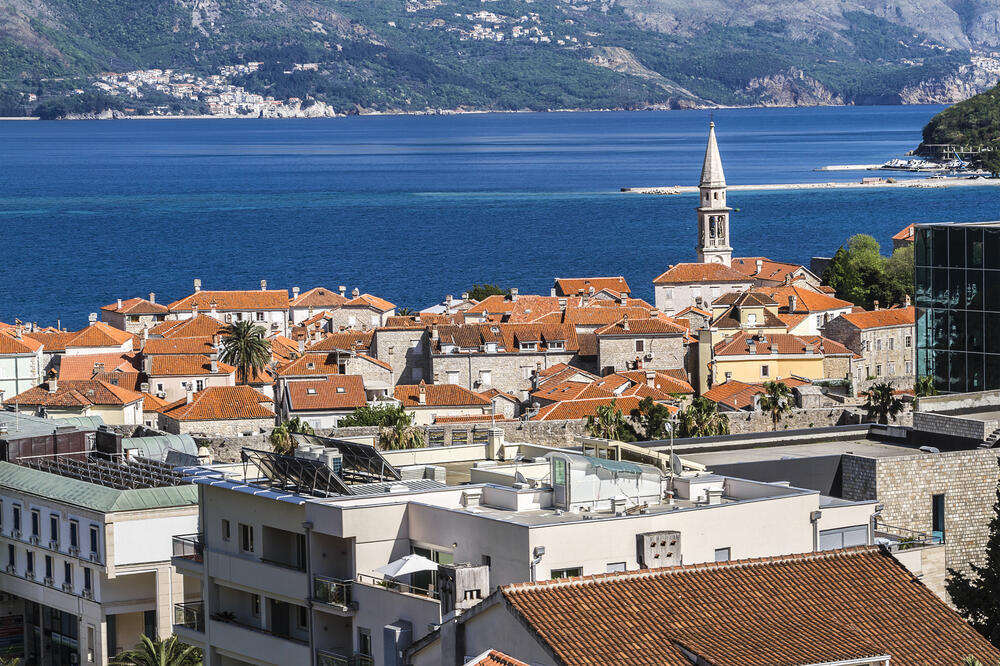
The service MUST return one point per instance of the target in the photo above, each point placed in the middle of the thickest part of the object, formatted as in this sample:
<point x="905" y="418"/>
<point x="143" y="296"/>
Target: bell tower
<point x="713" y="214"/>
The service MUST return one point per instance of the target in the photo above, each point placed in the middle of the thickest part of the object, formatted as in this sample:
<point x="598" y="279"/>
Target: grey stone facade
<point x="405" y="349"/>
<point x="220" y="428"/>
<point x="509" y="372"/>
<point x="656" y="352"/>
<point x="887" y="353"/>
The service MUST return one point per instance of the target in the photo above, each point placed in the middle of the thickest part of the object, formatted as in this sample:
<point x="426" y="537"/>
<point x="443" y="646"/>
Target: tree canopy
<point x="860" y="274"/>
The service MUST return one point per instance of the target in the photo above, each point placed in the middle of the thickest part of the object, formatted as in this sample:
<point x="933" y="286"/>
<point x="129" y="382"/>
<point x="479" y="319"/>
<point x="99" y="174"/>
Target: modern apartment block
<point x="295" y="555"/>
<point x="958" y="305"/>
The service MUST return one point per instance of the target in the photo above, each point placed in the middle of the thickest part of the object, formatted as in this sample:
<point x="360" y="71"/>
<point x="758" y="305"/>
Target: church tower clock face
<point x="713" y="213"/>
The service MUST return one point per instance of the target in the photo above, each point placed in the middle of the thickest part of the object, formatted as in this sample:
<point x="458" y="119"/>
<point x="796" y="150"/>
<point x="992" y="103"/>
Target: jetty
<point x="912" y="183"/>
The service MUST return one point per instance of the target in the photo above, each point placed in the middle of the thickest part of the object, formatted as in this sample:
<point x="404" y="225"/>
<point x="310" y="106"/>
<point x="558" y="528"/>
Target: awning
<point x="407" y="565"/>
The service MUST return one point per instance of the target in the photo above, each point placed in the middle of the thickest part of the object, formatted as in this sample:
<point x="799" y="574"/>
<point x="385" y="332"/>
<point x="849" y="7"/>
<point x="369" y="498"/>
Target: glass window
<point x="558" y="471"/>
<point x="975" y="371"/>
<point x="640" y="345"/>
<point x="974" y="248"/>
<point x="225" y="530"/>
<point x="939" y="247"/>
<point x="939" y="287"/>
<point x="11" y="557"/>
<point x="570" y="572"/>
<point x="246" y="538"/>
<point x="765" y="371"/>
<point x="30" y="562"/>
<point x="956" y="291"/>
<point x="956" y="331"/>
<point x="991" y="289"/>
<point x="956" y="372"/>
<point x="94" y="539"/>
<point x="364" y="641"/>
<point x="87" y="579"/>
<point x="722" y="554"/>
<point x="974" y="332"/>
<point x="48" y="566"/>
<point x="54" y="527"/>
<point x="937" y="517"/>
<point x="991" y="248"/>
<point x="74" y="534"/>
<point x="615" y="567"/>
<point x="35" y="519"/>
<point x="255" y="605"/>
<point x="956" y="246"/>
<point x="67" y="573"/>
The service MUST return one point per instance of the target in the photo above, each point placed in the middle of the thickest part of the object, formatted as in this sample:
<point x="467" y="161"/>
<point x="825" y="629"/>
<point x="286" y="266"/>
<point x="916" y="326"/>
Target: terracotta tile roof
<point x="797" y="609"/>
<point x="330" y="392"/>
<point x="587" y="344"/>
<point x="136" y="306"/>
<point x="907" y="234"/>
<point x="693" y="309"/>
<point x="185" y="365"/>
<point x="369" y="301"/>
<point x="98" y="334"/>
<point x="507" y="336"/>
<point x="581" y="409"/>
<point x="76" y="393"/>
<point x="344" y="341"/>
<point x="472" y="418"/>
<point x="194" y="327"/>
<point x="785" y="343"/>
<point x="53" y="341"/>
<point x="806" y="300"/>
<point x="496" y="304"/>
<point x="880" y="318"/>
<point x="571" y="391"/>
<point x="282" y="348"/>
<point x="150" y="403"/>
<point x="12" y="342"/>
<point x="629" y="303"/>
<point x="422" y="320"/>
<point x="84" y="366"/>
<point x="372" y="359"/>
<point x="772" y="271"/>
<point x="827" y="289"/>
<point x="318" y="297"/>
<point x="322" y="363"/>
<point x="573" y="286"/>
<point x="529" y="309"/>
<point x="602" y="316"/>
<point x="489" y="394"/>
<point x="657" y="326"/>
<point x="438" y="395"/>
<point x="792" y="320"/>
<point x="259" y="299"/>
<point x="495" y="658"/>
<point x="200" y="345"/>
<point x="749" y="298"/>
<point x="218" y="403"/>
<point x="663" y="381"/>
<point x="740" y="395"/>
<point x="694" y="272"/>
<point x="561" y="372"/>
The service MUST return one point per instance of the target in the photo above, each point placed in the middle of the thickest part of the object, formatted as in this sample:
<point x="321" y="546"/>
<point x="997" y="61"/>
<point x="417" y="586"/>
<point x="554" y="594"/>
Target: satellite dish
<point x="675" y="464"/>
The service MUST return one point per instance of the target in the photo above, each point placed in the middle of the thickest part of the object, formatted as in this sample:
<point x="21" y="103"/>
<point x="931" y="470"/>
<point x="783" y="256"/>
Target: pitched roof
<point x="194" y="327"/>
<point x="806" y="300"/>
<point x="740" y="395"/>
<point x="602" y="316"/>
<point x="76" y="393"/>
<point x="51" y="339"/>
<point x="151" y="403"/>
<point x="507" y="336"/>
<point x="369" y="301"/>
<point x="785" y="343"/>
<point x="494" y="658"/>
<point x="663" y="380"/>
<point x="573" y="286"/>
<point x="329" y="392"/>
<point x="907" y="234"/>
<point x="318" y="298"/>
<point x="581" y="409"/>
<point x="421" y="320"/>
<point x="136" y="306"/>
<point x="185" y="365"/>
<point x="561" y="372"/>
<point x="571" y="391"/>
<point x="85" y="366"/>
<point x="492" y="393"/>
<point x="654" y="326"/>
<point x="438" y="395"/>
<point x="311" y="363"/>
<point x="696" y="272"/>
<point x="251" y="299"/>
<point x="711" y="167"/>
<point x="193" y="345"/>
<point x="219" y="403"/>
<point x="372" y="359"/>
<point x="880" y="318"/>
<point x="98" y="334"/>
<point x="773" y="271"/>
<point x="796" y="609"/>
<point x="344" y="341"/>
<point x="14" y="342"/>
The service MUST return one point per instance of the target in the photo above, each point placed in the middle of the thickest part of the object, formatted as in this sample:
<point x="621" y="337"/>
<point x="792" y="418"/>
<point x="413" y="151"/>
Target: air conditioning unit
<point x="94" y="557"/>
<point x="15" y="534"/>
<point x="49" y="582"/>
<point x="53" y="545"/>
<point x="11" y="568"/>
<point x="67" y="587"/>
<point x="30" y="575"/>
<point x="649" y="356"/>
<point x="33" y="539"/>
<point x="74" y="551"/>
<point x="88" y="594"/>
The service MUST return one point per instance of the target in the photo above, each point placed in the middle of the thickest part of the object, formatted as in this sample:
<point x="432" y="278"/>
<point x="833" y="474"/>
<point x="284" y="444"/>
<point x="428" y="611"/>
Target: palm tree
<point x="775" y="401"/>
<point x="401" y="436"/>
<point x="245" y="347"/>
<point x="609" y="423"/>
<point x="701" y="419"/>
<point x="924" y="387"/>
<point x="154" y="652"/>
<point x="405" y="312"/>
<point x="880" y="403"/>
<point x="281" y="437"/>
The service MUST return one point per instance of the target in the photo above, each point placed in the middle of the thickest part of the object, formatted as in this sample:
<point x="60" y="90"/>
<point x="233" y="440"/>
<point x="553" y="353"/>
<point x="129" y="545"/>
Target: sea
<point x="412" y="208"/>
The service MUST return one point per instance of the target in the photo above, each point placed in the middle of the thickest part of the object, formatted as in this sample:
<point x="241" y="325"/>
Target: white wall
<point x="149" y="540"/>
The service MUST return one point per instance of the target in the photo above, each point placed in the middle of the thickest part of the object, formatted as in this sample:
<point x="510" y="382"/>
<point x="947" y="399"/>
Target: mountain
<point x="974" y="122"/>
<point x="414" y="55"/>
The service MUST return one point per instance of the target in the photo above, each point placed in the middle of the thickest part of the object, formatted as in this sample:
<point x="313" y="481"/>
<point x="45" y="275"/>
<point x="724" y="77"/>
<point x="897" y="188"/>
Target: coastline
<point x="916" y="183"/>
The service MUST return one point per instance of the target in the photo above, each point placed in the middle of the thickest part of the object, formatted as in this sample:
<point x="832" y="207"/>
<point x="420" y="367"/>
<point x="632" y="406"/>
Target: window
<point x="570" y="572"/>
<point x="88" y="581"/>
<point x="487" y="561"/>
<point x="908" y="365"/>
<point x="54" y="527"/>
<point x="17" y="518"/>
<point x="91" y="633"/>
<point x="36" y="518"/>
<point x="159" y="388"/>
<point x="819" y="321"/>
<point x="640" y="345"/>
<point x="302" y="617"/>
<point x="246" y="538"/>
<point x="729" y="376"/>
<point x="310" y="366"/>
<point x="556" y="344"/>
<point x="937" y="518"/>
<point x="225" y="530"/>
<point x="260" y="316"/>
<point x="255" y="605"/>
<point x="30" y="566"/>
<point x="340" y="389"/>
<point x="878" y="345"/>
<point x="48" y="566"/>
<point x="614" y="567"/>
<point x="843" y="537"/>
<point x="908" y="342"/>
<point x="526" y="371"/>
<point x="878" y="370"/>
<point x="722" y="554"/>
<point x="765" y="371"/>
<point x="312" y="391"/>
<point x="453" y="376"/>
<point x="892" y="343"/>
<point x="229" y="318"/>
<point x="199" y="385"/>
<point x="239" y="316"/>
<point x="94" y="541"/>
<point x="892" y="369"/>
<point x="67" y="573"/>
<point x="668" y="294"/>
<point x="529" y="346"/>
<point x="74" y="534"/>
<point x="485" y="377"/>
<point x="752" y="319"/>
<point x="364" y="641"/>
<point x="11" y="556"/>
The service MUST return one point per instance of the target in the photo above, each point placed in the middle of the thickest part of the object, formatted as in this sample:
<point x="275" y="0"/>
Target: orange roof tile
<point x="806" y="300"/>
<point x="785" y="343"/>
<point x="218" y="403"/>
<point x="199" y="345"/>
<point x="274" y="299"/>
<point x="99" y="334"/>
<point x="84" y="366"/>
<point x="907" y="234"/>
<point x="369" y="301"/>
<point x="881" y="318"/>
<point x="151" y="403"/>
<point x="438" y="395"/>
<point x="472" y="418"/>
<point x="344" y="341"/>
<point x="53" y="341"/>
<point x="656" y="326"/>
<point x="495" y="658"/>
<point x="185" y="365"/>
<point x="421" y="320"/>
<point x="773" y="271"/>
<point x="607" y="303"/>
<point x="322" y="363"/>
<point x="574" y="286"/>
<point x="76" y="393"/>
<point x="695" y="272"/>
<point x="507" y="336"/>
<point x="489" y="394"/>
<point x="662" y="380"/>
<point x="561" y="372"/>
<point x="740" y="395"/>
<point x="136" y="306"/>
<point x="330" y="392"/>
<point x="194" y="327"/>
<point x="580" y="409"/>
<point x="318" y="298"/>
<point x="372" y="359"/>
<point x="13" y="342"/>
<point x="821" y="607"/>
<point x="571" y="391"/>
<point x="602" y="316"/>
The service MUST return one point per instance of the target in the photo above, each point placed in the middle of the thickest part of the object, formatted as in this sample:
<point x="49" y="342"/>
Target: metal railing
<point x="396" y="586"/>
<point x="332" y="591"/>
<point x="190" y="615"/>
<point x="328" y="658"/>
<point x="904" y="538"/>
<point x="188" y="547"/>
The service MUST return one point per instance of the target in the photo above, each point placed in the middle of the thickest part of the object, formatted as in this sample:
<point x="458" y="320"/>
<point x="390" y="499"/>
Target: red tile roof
<point x="76" y="393"/>
<point x="422" y="320"/>
<point x="573" y="286"/>
<point x="489" y="394"/>
<point x="907" y="234"/>
<point x="438" y="395"/>
<point x="581" y="409"/>
<point x="136" y="306"/>
<point x="54" y="341"/>
<point x="274" y="299"/>
<point x="739" y="345"/>
<point x="330" y="392"/>
<point x="657" y="326"/>
<point x="98" y="334"/>
<point x="571" y="391"/>
<point x="344" y="341"/>
<point x="369" y="301"/>
<point x="507" y="336"/>
<point x="740" y="395"/>
<point x="322" y="363"/>
<point x="218" y="403"/>
<point x="561" y="372"/>
<point x="185" y="365"/>
<point x="495" y="658"/>
<point x="84" y="366"/>
<point x="13" y="342"/>
<point x="472" y="418"/>
<point x="797" y="609"/>
<point x="695" y="272"/>
<point x="318" y="298"/>
<point x="372" y="359"/>
<point x="881" y="318"/>
<point x="151" y="403"/>
<point x="602" y="316"/>
<point x="772" y="271"/>
<point x="194" y="327"/>
<point x="806" y="300"/>
<point x="664" y="381"/>
<point x="200" y="345"/>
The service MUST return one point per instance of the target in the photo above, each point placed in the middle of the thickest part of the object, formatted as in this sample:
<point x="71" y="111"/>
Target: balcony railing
<point x="397" y="586"/>
<point x="328" y="658"/>
<point x="190" y="615"/>
<point x="902" y="538"/>
<point x="332" y="591"/>
<point x="188" y="547"/>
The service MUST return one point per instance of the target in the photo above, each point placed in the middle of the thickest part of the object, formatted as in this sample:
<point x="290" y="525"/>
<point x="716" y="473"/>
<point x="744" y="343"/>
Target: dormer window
<point x="310" y="391"/>
<point x="529" y="346"/>
<point x="310" y="366"/>
<point x="752" y="319"/>
<point x="491" y="347"/>
<point x="557" y="344"/>
<point x="340" y="389"/>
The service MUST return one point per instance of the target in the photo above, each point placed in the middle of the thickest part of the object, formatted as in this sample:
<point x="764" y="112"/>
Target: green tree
<point x="652" y="419"/>
<point x="401" y="436"/>
<point x="881" y="404"/>
<point x="701" y="419"/>
<point x="924" y="387"/>
<point x="989" y="161"/>
<point x="482" y="291"/>
<point x="387" y="415"/>
<point x="861" y="275"/>
<point x="281" y="437"/>
<point x="610" y="423"/>
<point x="405" y="312"/>
<point x="245" y="347"/>
<point x="776" y="401"/>
<point x="155" y="652"/>
<point x="977" y="596"/>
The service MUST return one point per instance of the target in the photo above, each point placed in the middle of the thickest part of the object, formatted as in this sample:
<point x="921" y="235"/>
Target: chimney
<point x="788" y="278"/>
<point x="119" y="304"/>
<point x="906" y="301"/>
<point x="343" y="290"/>
<point x="623" y="299"/>
<point x="422" y="396"/>
<point x="215" y="341"/>
<point x="448" y="300"/>
<point x="295" y="293"/>
<point x="17" y="332"/>
<point x="513" y="294"/>
<point x="194" y="310"/>
<point x="590" y="290"/>
<point x="651" y="378"/>
<point x="53" y="382"/>
<point x="434" y="331"/>
<point x="215" y="367"/>
<point x="92" y="318"/>
<point x="188" y="395"/>
<point x="213" y="305"/>
<point x="355" y="293"/>
<point x="654" y="313"/>
<point x="98" y="368"/>
<point x="144" y="387"/>
<point x="152" y="297"/>
<point x="760" y="265"/>
<point x="562" y="303"/>
<point x="552" y="292"/>
<point x="302" y="346"/>
<point x="793" y="302"/>
<point x="197" y="285"/>
<point x="263" y="285"/>
<point x="465" y="295"/>
<point x="625" y="323"/>
<point x="875" y="303"/>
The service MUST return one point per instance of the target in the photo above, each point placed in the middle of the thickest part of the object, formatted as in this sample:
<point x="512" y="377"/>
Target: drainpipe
<point x="814" y="519"/>
<point x="537" y="552"/>
<point x="873" y="523"/>
<point x="309" y="599"/>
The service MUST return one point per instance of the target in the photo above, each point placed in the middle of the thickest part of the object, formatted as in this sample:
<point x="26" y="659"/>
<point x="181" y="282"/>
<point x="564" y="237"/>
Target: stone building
<point x="134" y="314"/>
<point x="362" y="312"/>
<point x="21" y="364"/>
<point x="883" y="343"/>
<point x="427" y="402"/>
<point x="311" y="303"/>
<point x="404" y="348"/>
<point x="267" y="308"/>
<point x="223" y="411"/>
<point x="696" y="285"/>
<point x="656" y="343"/>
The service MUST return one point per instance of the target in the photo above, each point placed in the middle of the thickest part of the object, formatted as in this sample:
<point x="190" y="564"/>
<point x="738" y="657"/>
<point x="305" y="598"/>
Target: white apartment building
<point x="295" y="555"/>
<point x="21" y="366"/>
<point x="267" y="308"/>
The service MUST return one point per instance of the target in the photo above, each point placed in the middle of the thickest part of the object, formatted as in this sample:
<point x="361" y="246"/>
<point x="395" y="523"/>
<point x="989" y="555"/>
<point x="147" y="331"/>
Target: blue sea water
<point x="415" y="207"/>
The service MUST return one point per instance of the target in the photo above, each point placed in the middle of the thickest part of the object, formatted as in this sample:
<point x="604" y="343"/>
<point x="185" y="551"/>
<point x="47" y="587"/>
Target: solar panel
<point x="297" y="475"/>
<point x="361" y="463"/>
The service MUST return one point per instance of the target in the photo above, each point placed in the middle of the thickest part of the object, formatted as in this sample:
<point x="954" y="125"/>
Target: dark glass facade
<point x="957" y="293"/>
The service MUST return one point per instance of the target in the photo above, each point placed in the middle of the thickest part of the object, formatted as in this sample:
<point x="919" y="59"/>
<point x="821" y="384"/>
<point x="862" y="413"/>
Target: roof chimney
<point x="623" y="298"/>
<point x="906" y="301"/>
<point x="590" y="290"/>
<point x="302" y="346"/>
<point x="875" y="303"/>
<point x="194" y="310"/>
<point x="213" y="305"/>
<point x="92" y="318"/>
<point x="513" y="294"/>
<point x="552" y="292"/>
<point x="793" y="302"/>
<point x="295" y="293"/>
<point x="98" y="368"/>
<point x="263" y="285"/>
<point x="197" y="285"/>
<point x="651" y="378"/>
<point x="188" y="395"/>
<point x="17" y="332"/>
<point x="152" y="297"/>
<point x="654" y="313"/>
<point x="119" y="304"/>
<point x="355" y="293"/>
<point x="214" y="367"/>
<point x="465" y="295"/>
<point x="625" y="323"/>
<point x="760" y="265"/>
<point x="434" y="331"/>
<point x="53" y="382"/>
<point x="788" y="278"/>
<point x="448" y="300"/>
<point x="422" y="395"/>
<point x="342" y="289"/>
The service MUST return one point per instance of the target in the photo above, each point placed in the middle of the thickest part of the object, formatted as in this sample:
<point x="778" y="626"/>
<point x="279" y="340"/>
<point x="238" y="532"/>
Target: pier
<point x="912" y="183"/>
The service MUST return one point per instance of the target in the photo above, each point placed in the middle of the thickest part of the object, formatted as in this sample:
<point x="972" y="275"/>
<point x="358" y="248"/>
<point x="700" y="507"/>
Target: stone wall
<point x="405" y="351"/>
<point x="618" y="352"/>
<point x="960" y="402"/>
<point x="857" y="478"/>
<point x="953" y="426"/>
<point x="510" y="372"/>
<point x="222" y="428"/>
<point x="745" y="422"/>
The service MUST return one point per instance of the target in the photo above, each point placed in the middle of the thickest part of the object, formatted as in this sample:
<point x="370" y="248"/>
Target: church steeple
<point x="713" y="214"/>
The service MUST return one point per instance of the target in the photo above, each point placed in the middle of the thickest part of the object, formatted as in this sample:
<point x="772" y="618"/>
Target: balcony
<point x="275" y="579"/>
<point x="258" y="645"/>
<point x="190" y="616"/>
<point x="188" y="553"/>
<point x="328" y="658"/>
<point x="334" y="594"/>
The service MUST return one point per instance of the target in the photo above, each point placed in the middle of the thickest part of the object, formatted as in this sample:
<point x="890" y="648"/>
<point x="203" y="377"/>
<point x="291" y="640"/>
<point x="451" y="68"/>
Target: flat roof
<point x="985" y="223"/>
<point x="860" y="447"/>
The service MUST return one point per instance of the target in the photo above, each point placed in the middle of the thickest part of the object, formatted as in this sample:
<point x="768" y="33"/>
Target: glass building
<point x="957" y="274"/>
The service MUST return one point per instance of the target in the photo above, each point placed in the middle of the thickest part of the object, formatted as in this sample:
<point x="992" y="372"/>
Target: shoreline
<point x="915" y="183"/>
